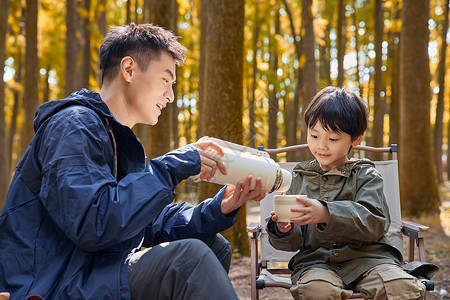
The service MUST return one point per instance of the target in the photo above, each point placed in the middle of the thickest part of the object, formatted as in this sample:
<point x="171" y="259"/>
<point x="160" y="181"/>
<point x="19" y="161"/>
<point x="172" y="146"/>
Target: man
<point x="82" y="202"/>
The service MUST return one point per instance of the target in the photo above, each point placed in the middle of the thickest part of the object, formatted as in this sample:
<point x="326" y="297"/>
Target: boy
<point x="341" y="235"/>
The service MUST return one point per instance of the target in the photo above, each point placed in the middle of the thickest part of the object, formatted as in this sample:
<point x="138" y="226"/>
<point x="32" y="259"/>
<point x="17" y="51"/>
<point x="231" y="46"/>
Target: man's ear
<point x="127" y="65"/>
<point x="356" y="141"/>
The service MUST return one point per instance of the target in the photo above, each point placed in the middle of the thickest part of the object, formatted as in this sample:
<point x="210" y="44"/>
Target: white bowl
<point x="282" y="205"/>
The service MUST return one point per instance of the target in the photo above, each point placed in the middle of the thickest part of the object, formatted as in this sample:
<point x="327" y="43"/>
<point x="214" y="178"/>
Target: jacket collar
<point x="342" y="170"/>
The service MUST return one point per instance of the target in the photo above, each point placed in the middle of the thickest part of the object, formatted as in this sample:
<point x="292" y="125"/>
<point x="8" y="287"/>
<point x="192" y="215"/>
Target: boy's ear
<point x="127" y="65"/>
<point x="356" y="141"/>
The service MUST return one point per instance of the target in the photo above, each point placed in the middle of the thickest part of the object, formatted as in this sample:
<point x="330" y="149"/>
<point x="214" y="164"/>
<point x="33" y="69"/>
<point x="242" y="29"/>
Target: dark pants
<point x="184" y="269"/>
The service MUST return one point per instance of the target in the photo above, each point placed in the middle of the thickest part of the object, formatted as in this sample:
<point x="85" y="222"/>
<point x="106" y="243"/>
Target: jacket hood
<point x="83" y="97"/>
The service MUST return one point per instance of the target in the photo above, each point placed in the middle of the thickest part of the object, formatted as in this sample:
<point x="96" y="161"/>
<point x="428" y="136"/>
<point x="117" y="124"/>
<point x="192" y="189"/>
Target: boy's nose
<point x="322" y="145"/>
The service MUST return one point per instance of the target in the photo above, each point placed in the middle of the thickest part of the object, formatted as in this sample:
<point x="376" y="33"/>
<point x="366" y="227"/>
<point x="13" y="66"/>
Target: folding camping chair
<point x="263" y="275"/>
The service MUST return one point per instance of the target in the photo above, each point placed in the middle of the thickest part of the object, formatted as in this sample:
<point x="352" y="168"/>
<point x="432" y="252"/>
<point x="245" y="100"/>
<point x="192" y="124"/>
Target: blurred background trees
<point x="251" y="70"/>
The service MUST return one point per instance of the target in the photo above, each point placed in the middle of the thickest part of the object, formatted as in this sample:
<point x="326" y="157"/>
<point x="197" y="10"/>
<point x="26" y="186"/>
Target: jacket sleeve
<point x="289" y="241"/>
<point x="180" y="221"/>
<point x="81" y="194"/>
<point x="362" y="219"/>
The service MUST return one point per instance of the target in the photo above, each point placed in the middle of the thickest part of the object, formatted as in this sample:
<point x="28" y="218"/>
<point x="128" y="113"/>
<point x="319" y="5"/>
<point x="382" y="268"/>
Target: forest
<point x="251" y="70"/>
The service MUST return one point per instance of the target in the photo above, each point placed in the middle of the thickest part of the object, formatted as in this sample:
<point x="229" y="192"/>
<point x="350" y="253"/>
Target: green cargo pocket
<point x="399" y="285"/>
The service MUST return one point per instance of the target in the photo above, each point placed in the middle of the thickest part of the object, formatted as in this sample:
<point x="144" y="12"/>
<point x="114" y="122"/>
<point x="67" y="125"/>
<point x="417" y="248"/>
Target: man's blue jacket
<point x="69" y="226"/>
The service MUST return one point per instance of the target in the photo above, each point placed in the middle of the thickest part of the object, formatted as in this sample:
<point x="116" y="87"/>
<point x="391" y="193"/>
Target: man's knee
<point x="221" y="248"/>
<point x="193" y="249"/>
<point x="180" y="268"/>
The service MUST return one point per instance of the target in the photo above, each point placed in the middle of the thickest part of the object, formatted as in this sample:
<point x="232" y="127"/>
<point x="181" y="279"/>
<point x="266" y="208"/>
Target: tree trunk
<point x="136" y="15"/>
<point x="439" y="121"/>
<point x="292" y="120"/>
<point x="325" y="50"/>
<point x="127" y="12"/>
<point x="46" y="85"/>
<point x="418" y="183"/>
<point x="86" y="46"/>
<point x="161" y="139"/>
<point x="18" y="96"/>
<point x="340" y="42"/>
<point x="379" y="107"/>
<point x="251" y="113"/>
<point x="273" y="82"/>
<point x="72" y="48"/>
<point x="355" y="23"/>
<point x="308" y="71"/>
<point x="175" y="135"/>
<point x="393" y="66"/>
<point x="202" y="63"/>
<point x="31" y="96"/>
<point x="4" y="156"/>
<point x="100" y="16"/>
<point x="223" y="98"/>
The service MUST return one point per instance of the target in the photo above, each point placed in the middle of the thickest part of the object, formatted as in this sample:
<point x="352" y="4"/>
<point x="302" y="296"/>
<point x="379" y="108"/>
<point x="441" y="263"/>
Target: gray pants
<point x="184" y="269"/>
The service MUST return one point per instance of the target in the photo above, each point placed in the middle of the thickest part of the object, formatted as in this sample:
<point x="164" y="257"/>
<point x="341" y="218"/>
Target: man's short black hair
<point x="143" y="42"/>
<point x="338" y="110"/>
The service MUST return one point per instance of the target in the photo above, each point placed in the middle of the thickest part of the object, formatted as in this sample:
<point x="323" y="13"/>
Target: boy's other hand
<point x="282" y="226"/>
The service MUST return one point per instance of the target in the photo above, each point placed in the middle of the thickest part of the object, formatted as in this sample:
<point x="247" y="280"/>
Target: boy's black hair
<point x="143" y="42"/>
<point x="338" y="110"/>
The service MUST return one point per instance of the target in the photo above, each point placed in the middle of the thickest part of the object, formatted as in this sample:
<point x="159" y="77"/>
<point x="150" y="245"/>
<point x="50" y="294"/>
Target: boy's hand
<point x="282" y="226"/>
<point x="235" y="196"/>
<point x="313" y="212"/>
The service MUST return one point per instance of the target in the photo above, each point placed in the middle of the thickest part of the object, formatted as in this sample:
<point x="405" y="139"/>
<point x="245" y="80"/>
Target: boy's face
<point x="330" y="148"/>
<point x="151" y="91"/>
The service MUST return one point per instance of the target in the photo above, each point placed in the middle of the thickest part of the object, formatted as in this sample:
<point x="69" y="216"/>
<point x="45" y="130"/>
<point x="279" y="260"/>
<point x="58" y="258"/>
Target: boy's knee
<point x="319" y="284"/>
<point x="400" y="285"/>
<point x="391" y="282"/>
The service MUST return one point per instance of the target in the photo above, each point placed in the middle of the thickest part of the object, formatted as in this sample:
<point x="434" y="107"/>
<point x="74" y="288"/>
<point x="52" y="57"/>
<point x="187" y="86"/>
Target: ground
<point x="437" y="243"/>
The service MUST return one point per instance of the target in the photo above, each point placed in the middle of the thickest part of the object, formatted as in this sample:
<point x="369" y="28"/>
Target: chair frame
<point x="414" y="231"/>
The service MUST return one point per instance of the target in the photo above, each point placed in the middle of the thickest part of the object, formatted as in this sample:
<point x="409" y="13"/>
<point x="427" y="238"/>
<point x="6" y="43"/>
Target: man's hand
<point x="313" y="212"/>
<point x="235" y="196"/>
<point x="210" y="154"/>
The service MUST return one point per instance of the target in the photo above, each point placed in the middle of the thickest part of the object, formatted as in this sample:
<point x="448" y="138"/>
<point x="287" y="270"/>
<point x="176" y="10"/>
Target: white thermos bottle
<point x="241" y="161"/>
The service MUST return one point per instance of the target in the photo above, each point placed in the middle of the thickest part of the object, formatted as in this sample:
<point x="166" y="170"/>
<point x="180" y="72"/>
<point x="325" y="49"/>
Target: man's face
<point x="151" y="91"/>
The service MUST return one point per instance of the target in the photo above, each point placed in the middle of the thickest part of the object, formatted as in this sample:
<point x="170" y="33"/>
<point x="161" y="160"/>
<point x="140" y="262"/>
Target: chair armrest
<point x="415" y="233"/>
<point x="414" y="230"/>
<point x="253" y="227"/>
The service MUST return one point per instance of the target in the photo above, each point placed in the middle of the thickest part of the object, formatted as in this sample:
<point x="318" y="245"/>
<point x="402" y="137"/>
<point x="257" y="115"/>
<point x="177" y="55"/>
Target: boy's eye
<point x="314" y="136"/>
<point x="333" y="140"/>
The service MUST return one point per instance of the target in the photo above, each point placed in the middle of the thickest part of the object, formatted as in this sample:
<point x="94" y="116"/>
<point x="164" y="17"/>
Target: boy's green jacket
<point x="354" y="239"/>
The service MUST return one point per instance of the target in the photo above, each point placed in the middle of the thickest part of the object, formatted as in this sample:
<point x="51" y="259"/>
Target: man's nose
<point x="169" y="94"/>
